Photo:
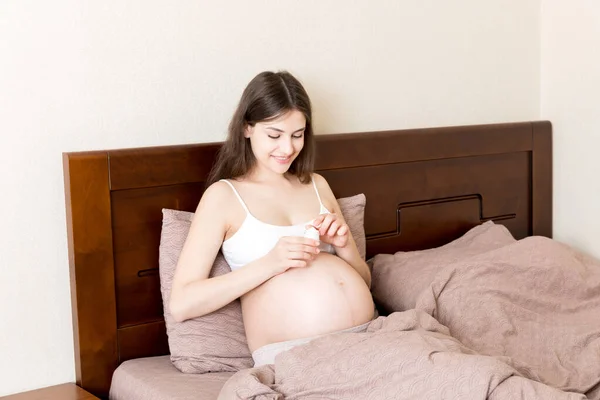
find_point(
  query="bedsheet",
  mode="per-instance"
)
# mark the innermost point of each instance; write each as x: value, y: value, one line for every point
x: 155, y: 378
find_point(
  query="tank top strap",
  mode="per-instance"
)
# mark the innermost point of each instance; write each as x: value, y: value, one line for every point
x: 236, y: 194
x: 318, y: 196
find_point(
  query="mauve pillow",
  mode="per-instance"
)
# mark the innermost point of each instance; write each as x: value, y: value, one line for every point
x: 217, y: 341
x: 353, y: 211
x: 398, y: 279
x: 214, y: 342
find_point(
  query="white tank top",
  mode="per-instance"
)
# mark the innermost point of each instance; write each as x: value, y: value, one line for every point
x: 255, y: 238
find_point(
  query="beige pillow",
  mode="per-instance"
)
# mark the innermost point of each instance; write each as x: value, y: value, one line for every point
x: 217, y: 341
x: 398, y: 279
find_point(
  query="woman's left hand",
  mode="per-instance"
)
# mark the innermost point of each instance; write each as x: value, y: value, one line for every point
x: 332, y: 229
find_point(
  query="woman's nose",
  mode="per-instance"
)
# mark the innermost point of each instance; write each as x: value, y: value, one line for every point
x: 286, y: 146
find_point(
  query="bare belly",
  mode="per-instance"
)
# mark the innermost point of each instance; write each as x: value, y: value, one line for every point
x: 327, y: 296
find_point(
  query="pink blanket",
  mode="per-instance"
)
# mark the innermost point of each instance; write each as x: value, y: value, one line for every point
x: 535, y: 302
x: 522, y: 322
x: 406, y: 355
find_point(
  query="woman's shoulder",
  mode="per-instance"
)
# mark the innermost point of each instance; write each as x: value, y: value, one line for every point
x: 218, y: 188
x: 219, y: 203
x: 325, y: 192
x: 320, y: 182
x: 217, y: 195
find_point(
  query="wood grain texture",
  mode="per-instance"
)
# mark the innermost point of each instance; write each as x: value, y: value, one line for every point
x: 89, y: 229
x: 161, y: 165
x: 136, y: 237
x: 384, y: 147
x: 541, y: 159
x: 155, y: 338
x: 66, y: 391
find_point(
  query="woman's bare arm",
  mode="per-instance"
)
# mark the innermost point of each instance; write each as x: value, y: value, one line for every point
x: 348, y: 253
x: 193, y: 294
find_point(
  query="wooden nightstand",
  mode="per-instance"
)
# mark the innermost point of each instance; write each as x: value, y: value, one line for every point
x: 67, y: 391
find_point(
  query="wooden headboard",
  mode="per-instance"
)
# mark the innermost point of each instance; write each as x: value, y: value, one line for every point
x: 424, y: 188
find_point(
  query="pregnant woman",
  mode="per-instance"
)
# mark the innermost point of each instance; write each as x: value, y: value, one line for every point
x: 262, y: 196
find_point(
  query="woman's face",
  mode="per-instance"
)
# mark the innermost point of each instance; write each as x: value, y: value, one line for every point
x: 276, y: 143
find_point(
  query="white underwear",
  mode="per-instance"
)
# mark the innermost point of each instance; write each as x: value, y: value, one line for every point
x: 266, y: 354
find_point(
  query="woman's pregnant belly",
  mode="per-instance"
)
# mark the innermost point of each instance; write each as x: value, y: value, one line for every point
x: 326, y: 296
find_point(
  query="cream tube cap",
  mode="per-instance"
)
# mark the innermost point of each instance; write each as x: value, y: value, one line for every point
x: 312, y: 233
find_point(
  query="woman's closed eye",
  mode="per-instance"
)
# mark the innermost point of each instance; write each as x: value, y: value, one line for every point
x: 297, y: 136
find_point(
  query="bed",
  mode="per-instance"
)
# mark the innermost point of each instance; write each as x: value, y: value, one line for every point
x: 424, y: 188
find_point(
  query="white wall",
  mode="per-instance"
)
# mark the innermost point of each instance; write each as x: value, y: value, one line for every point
x: 570, y: 86
x: 83, y: 75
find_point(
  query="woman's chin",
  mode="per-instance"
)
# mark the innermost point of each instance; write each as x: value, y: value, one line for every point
x: 280, y: 168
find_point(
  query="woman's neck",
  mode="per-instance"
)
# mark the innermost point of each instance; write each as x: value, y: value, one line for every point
x: 269, y: 177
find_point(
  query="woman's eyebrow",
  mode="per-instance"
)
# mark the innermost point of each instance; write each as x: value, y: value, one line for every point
x: 281, y: 131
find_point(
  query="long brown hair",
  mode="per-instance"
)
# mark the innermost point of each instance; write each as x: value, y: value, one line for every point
x: 267, y: 96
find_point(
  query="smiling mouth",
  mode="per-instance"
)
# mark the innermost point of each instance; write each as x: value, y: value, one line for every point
x: 282, y: 160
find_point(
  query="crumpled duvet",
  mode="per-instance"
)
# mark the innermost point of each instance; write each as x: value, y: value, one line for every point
x: 407, y: 355
x: 521, y: 322
x: 536, y: 302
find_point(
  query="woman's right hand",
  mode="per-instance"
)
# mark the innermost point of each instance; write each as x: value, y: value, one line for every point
x: 292, y: 252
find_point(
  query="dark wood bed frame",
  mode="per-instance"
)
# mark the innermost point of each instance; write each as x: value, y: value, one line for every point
x: 424, y: 188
